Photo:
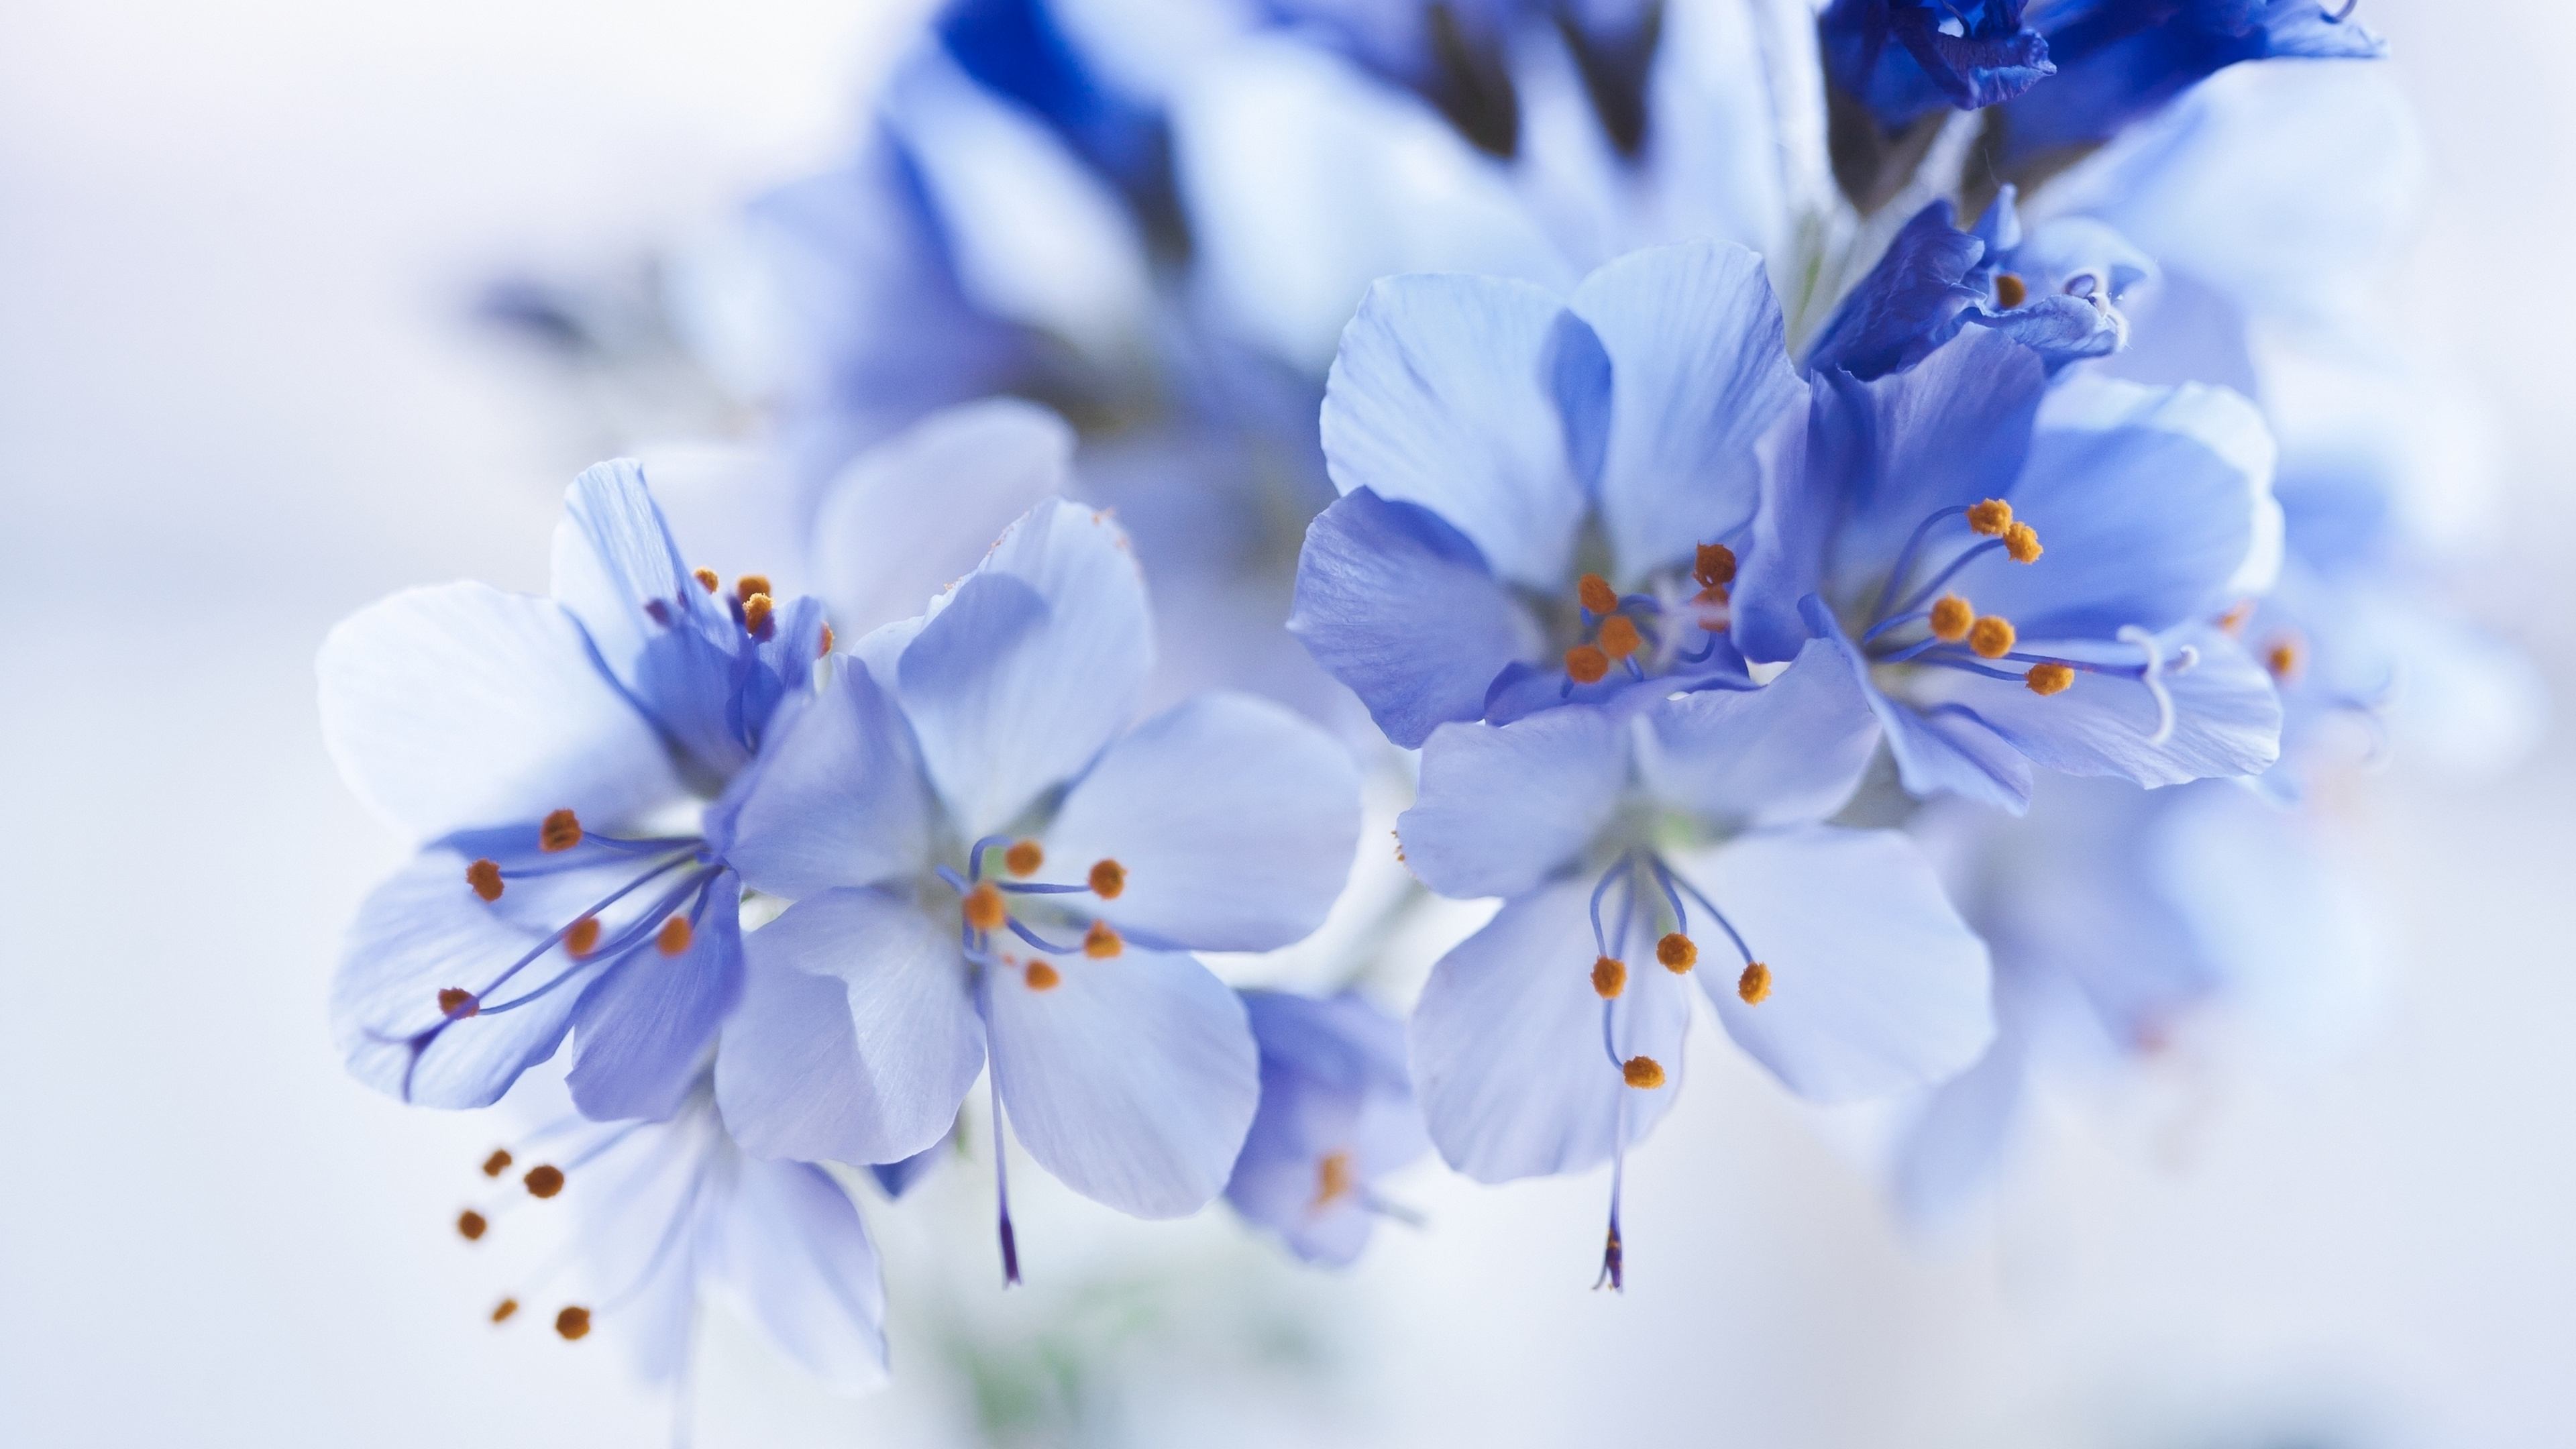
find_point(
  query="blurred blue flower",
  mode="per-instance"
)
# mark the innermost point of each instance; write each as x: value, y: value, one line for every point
x: 551, y: 753
x: 1904, y: 58
x: 1535, y: 490
x: 1337, y: 1114
x: 986, y: 862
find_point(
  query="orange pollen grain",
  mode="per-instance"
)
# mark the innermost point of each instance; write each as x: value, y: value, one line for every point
x: 1596, y: 594
x: 1101, y: 943
x: 1991, y: 517
x: 985, y: 909
x: 1951, y: 616
x: 1643, y: 1073
x: 1754, y: 986
x: 470, y: 1224
x: 2233, y: 621
x: 583, y: 938
x: 755, y: 613
x: 706, y: 579
x: 544, y: 1180
x: 2010, y: 291
x: 1043, y: 977
x: 1677, y: 952
x: 2284, y: 657
x: 826, y: 646
x: 485, y: 877
x: 2021, y: 541
x: 2047, y: 679
x: 560, y: 831
x: 502, y: 1310
x: 748, y: 585
x: 1585, y: 664
x: 1715, y: 566
x: 456, y: 1002
x: 1609, y: 977
x: 1992, y: 636
x: 674, y: 937
x: 1108, y: 878
x: 572, y: 1323
x: 1024, y: 857
x: 1619, y: 637
x: 1334, y: 1178
x: 497, y: 1163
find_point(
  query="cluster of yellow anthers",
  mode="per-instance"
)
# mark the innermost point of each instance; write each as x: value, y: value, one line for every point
x: 558, y: 832
x: 985, y: 909
x: 1954, y: 619
x: 757, y: 604
x: 1676, y: 953
x: 1616, y: 637
x: 541, y: 1181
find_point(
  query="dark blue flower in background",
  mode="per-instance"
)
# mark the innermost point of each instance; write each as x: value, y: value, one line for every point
x: 1337, y: 1114
x: 1905, y: 58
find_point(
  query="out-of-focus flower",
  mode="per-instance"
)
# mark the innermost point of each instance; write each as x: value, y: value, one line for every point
x: 552, y: 753
x: 1337, y: 1114
x: 1536, y: 490
x: 1902, y: 58
x: 986, y: 863
x: 1909, y: 496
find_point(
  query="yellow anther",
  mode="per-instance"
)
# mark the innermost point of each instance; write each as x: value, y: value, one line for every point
x: 572, y: 1323
x: 985, y: 910
x: 2233, y: 621
x: 750, y: 584
x: 674, y: 937
x: 1991, y: 517
x: 544, y: 1180
x: 2021, y: 541
x: 706, y: 579
x: 826, y: 646
x: 1043, y: 977
x: 470, y: 1225
x: 1991, y: 636
x: 1609, y: 976
x: 1108, y: 878
x: 2010, y: 291
x: 497, y: 1163
x: 1585, y: 664
x: 502, y: 1310
x: 2285, y: 657
x: 1644, y: 1073
x: 1714, y: 568
x: 1100, y: 943
x: 559, y: 831
x: 1677, y: 952
x: 1754, y: 986
x: 1334, y: 1178
x: 485, y: 877
x: 1619, y: 637
x: 1951, y: 616
x: 755, y: 613
x: 2045, y: 679
x: 1024, y: 857
x: 456, y: 1003
x: 1596, y: 594
x: 583, y: 938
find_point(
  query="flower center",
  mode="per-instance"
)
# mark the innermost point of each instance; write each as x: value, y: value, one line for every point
x: 1667, y: 629
x: 987, y: 907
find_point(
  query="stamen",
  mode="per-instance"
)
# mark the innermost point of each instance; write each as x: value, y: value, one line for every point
x: 748, y: 585
x: 502, y: 1310
x: 572, y: 1323
x: 1108, y: 878
x: 2151, y: 674
x: 984, y: 908
x: 2022, y: 542
x: 1714, y: 568
x: 1043, y: 977
x: 560, y: 831
x: 2010, y: 291
x: 1677, y: 952
x: 1101, y: 943
x: 1754, y: 986
x: 755, y: 613
x: 706, y: 579
x: 2285, y: 658
x: 674, y: 937
x: 583, y: 938
x: 1609, y: 976
x: 826, y: 647
x: 470, y: 1224
x: 544, y: 1180
x: 1643, y: 1073
x: 2047, y: 679
x: 1951, y: 616
x: 1024, y: 857
x: 2233, y: 621
x: 1586, y: 665
x: 485, y: 877
x: 456, y: 1003
x: 1991, y: 517
x: 497, y: 1163
x: 1596, y: 594
x: 1333, y: 1178
x: 1619, y: 637
x: 1991, y: 636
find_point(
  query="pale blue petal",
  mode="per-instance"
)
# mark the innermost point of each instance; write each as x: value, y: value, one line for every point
x: 1508, y: 1058
x: 641, y: 1030
x: 792, y: 1257
x: 1945, y: 750
x: 1793, y: 749
x: 837, y: 798
x: 1133, y: 1079
x: 856, y: 1037
x: 1445, y: 394
x: 1954, y: 1149
x: 1235, y: 820
x: 1877, y: 986
x: 462, y: 706
x: 1502, y: 807
x: 1333, y: 1081
x: 1793, y: 525
x: 2226, y: 714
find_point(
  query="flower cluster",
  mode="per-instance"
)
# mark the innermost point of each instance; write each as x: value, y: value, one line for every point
x: 1754, y: 581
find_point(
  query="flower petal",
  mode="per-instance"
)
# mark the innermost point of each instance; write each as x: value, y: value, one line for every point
x: 791, y: 1255
x: 1946, y: 750
x: 837, y: 798
x: 1132, y: 1080
x: 2226, y: 715
x: 1794, y: 749
x: 1501, y: 807
x: 642, y: 1029
x: 1333, y: 1083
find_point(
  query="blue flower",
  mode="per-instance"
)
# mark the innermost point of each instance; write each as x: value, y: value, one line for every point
x: 1905, y: 524
x: 1637, y: 846
x: 1336, y: 1115
x: 666, y: 1215
x: 1536, y: 492
x: 550, y: 752
x: 986, y: 863
x: 1905, y: 58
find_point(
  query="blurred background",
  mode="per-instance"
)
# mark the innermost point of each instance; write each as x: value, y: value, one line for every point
x: 240, y: 396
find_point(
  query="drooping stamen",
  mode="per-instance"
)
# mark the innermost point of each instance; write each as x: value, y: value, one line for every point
x: 456, y: 1003
x: 1108, y: 878
x: 1609, y: 977
x: 582, y: 937
x: 1643, y: 1073
x: 1024, y: 857
x: 485, y: 877
x: 544, y: 1180
x: 573, y: 1323
x: 1905, y: 557
x: 1991, y: 517
x: 1020, y: 929
x: 1043, y: 977
x: 1754, y: 986
x: 1585, y: 664
x: 1991, y: 636
x: 560, y: 831
x: 2010, y: 291
x: 1334, y: 1178
x: 1101, y: 943
x: 1950, y: 618
x: 674, y: 937
x: 1002, y: 1191
x: 1595, y: 593
x: 1678, y: 953
x: 2048, y: 679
